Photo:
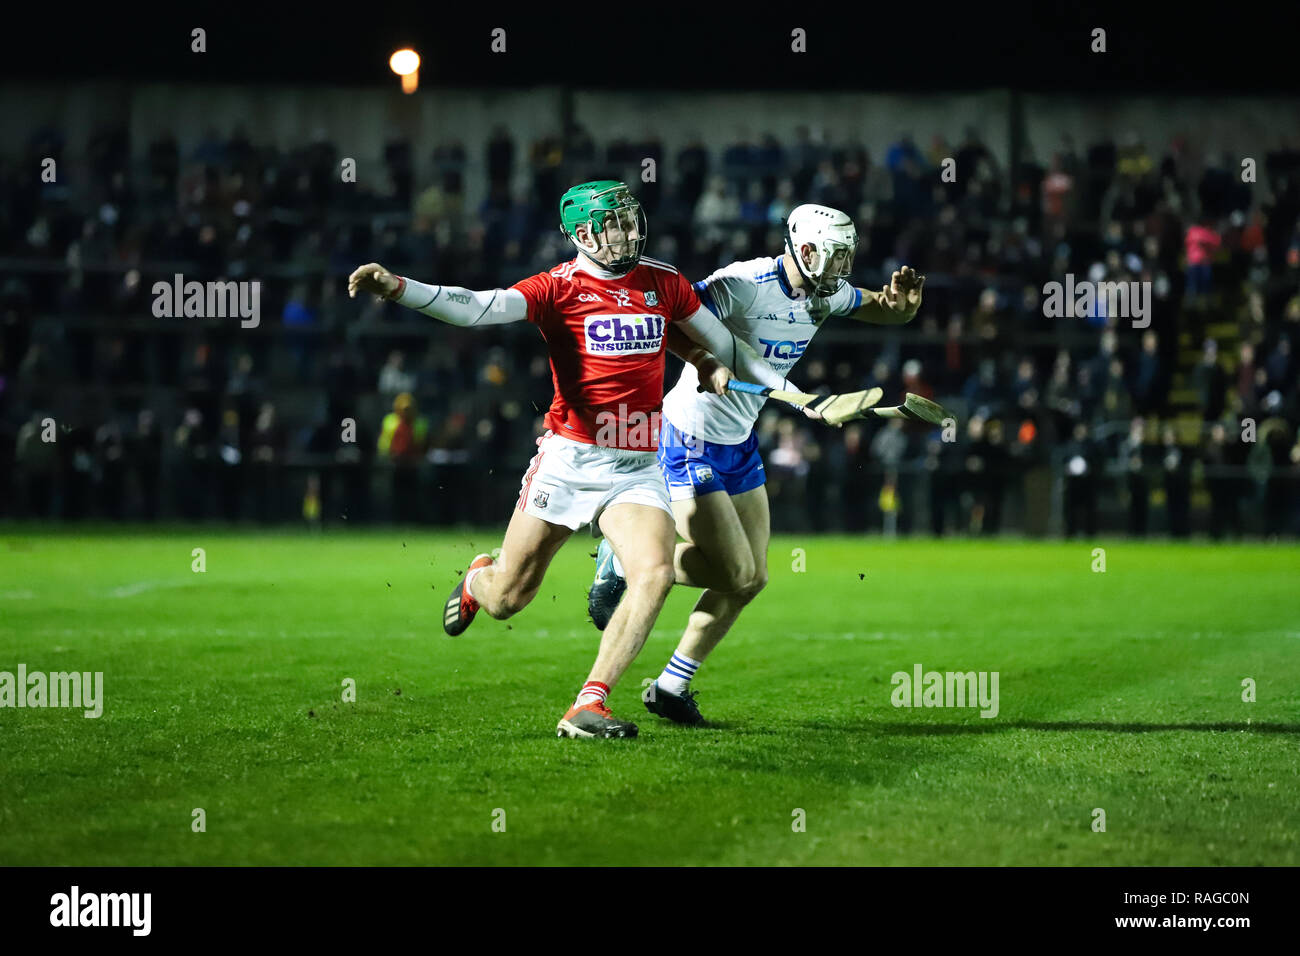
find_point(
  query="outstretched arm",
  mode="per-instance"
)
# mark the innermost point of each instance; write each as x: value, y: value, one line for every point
x: 450, y: 304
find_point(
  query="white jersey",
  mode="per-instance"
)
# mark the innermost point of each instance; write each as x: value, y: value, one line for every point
x: 756, y: 304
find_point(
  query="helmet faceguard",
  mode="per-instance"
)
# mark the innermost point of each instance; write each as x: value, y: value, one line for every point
x: 614, y: 220
x: 831, y: 233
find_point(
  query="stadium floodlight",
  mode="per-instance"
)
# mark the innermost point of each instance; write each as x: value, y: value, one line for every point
x: 406, y: 64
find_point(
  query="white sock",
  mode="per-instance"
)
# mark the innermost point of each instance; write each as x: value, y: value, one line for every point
x: 676, y: 678
x: 469, y: 579
x: 618, y: 567
x: 591, y: 691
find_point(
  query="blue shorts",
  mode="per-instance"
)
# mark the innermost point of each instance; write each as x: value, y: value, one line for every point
x: 693, y: 467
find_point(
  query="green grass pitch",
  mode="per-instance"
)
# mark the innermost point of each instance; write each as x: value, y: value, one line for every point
x: 223, y: 690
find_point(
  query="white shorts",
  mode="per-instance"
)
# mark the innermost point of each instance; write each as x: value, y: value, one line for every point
x: 571, y: 483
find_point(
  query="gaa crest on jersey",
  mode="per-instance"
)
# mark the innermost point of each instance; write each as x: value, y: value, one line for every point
x: 541, y: 499
x: 624, y: 333
x: 703, y: 474
x: 651, y: 299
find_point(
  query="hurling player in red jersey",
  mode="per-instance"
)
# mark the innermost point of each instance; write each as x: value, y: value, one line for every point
x: 607, y: 317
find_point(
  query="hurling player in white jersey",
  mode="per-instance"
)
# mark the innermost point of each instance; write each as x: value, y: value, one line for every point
x: 708, y: 450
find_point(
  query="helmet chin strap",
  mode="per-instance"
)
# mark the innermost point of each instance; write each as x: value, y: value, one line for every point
x: 826, y: 293
x: 609, y: 267
x: 590, y: 253
x: 794, y: 254
x: 603, y: 266
x: 809, y: 281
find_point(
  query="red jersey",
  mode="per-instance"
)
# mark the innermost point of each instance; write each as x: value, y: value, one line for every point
x: 606, y: 339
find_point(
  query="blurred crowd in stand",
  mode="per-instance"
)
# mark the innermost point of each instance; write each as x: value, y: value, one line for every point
x: 332, y: 409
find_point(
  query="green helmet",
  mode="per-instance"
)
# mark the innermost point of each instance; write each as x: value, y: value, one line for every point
x: 600, y: 204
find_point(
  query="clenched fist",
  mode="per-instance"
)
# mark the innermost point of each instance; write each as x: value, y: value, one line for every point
x: 713, y: 376
x: 373, y: 278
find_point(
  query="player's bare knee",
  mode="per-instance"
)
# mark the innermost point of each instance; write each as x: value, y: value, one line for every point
x: 656, y: 579
x: 740, y: 571
x: 756, y: 584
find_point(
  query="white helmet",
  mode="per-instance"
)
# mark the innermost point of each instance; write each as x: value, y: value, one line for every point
x: 832, y: 234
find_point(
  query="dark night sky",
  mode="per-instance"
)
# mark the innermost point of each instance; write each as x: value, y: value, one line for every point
x: 852, y: 45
